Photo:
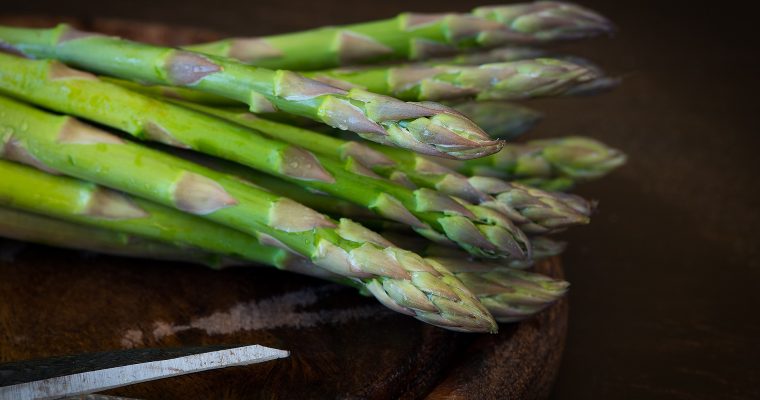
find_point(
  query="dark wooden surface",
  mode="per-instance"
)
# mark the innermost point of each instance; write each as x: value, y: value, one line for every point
x: 58, y: 302
x: 665, y: 280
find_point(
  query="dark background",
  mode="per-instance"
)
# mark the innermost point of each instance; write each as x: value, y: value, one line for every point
x: 665, y: 281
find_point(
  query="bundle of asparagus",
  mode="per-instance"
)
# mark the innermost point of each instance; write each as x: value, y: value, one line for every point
x: 458, y: 217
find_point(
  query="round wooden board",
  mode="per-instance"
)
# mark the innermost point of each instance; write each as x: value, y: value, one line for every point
x: 57, y: 302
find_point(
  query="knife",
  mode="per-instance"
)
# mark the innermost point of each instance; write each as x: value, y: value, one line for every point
x: 73, y: 375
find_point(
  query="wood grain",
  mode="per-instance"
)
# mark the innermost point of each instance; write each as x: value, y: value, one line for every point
x: 58, y: 302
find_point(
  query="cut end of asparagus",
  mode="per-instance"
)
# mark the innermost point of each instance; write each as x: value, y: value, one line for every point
x: 545, y: 21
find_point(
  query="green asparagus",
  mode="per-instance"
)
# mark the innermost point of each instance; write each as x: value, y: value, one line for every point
x: 535, y: 211
x: 573, y: 158
x: 509, y: 294
x: 499, y: 119
x: 36, y: 228
x: 599, y: 83
x: 514, y: 80
x: 543, y: 248
x: 414, y: 36
x: 400, y: 279
x: 53, y: 85
x: 234, y: 189
x: 85, y: 203
x: 429, y: 128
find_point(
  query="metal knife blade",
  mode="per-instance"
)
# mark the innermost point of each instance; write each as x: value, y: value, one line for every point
x: 87, y: 373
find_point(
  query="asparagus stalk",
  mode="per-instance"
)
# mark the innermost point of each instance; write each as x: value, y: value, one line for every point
x: 535, y: 211
x: 30, y: 227
x: 573, y: 158
x: 428, y: 128
x: 414, y: 36
x: 174, y: 92
x: 599, y: 83
x: 500, y: 119
x: 53, y: 85
x: 124, y: 216
x: 88, y: 204
x: 514, y: 80
x: 400, y: 279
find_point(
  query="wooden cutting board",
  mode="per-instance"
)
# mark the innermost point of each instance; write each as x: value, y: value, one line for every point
x: 56, y: 302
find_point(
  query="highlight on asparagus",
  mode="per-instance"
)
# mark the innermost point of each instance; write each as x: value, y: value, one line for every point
x: 250, y: 163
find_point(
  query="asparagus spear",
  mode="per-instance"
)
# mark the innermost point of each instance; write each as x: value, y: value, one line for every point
x: 500, y: 119
x: 599, y: 83
x: 53, y: 85
x: 535, y: 211
x: 414, y: 36
x: 400, y: 279
x: 25, y: 226
x: 337, y: 207
x: 428, y: 128
x: 496, y: 282
x: 514, y: 80
x: 574, y: 158
x: 544, y: 247
x: 28, y: 227
x: 509, y: 294
x: 124, y: 216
